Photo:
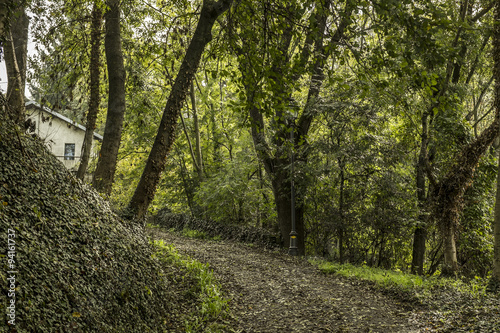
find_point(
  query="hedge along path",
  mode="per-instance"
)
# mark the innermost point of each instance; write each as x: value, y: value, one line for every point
x: 273, y: 292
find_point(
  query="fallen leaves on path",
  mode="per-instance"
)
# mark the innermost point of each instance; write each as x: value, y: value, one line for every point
x: 270, y: 291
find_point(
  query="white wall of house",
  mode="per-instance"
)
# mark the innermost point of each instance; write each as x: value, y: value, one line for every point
x: 62, y: 136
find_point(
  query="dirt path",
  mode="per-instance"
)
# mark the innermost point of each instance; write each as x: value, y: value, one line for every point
x: 273, y: 292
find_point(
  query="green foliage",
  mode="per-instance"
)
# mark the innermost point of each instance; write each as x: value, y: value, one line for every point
x: 193, y: 233
x: 475, y: 252
x: 356, y: 178
x: 59, y: 71
x: 237, y: 193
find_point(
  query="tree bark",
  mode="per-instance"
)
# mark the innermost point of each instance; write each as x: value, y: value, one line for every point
x: 281, y: 184
x: 420, y: 235
x: 19, y: 30
x: 495, y: 278
x: 145, y: 191
x: 199, y: 158
x: 106, y: 164
x: 15, y: 49
x: 95, y: 65
x: 340, y: 230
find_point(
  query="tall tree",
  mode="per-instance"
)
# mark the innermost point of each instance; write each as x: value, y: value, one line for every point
x: 495, y: 278
x: 15, y: 46
x: 198, y: 161
x: 95, y: 64
x: 281, y: 73
x: 145, y: 191
x: 106, y: 164
x: 448, y: 193
x: 441, y: 84
x: 420, y: 235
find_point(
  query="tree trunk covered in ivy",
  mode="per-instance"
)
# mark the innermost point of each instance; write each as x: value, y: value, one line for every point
x: 145, y: 191
x: 106, y: 165
x: 495, y: 278
x: 448, y: 194
x: 95, y: 64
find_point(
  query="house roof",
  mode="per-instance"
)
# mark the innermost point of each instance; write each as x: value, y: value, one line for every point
x: 60, y: 116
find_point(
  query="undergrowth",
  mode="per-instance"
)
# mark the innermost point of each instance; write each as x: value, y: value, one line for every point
x: 421, y: 286
x: 209, y: 229
x: 212, y: 305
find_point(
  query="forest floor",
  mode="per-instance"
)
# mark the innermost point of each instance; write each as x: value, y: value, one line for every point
x: 270, y: 291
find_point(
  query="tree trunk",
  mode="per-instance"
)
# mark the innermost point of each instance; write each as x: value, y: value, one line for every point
x: 276, y: 161
x: 340, y: 230
x: 19, y: 30
x: 449, y: 193
x: 15, y: 53
x: 282, y: 193
x: 199, y: 158
x: 95, y: 65
x: 420, y: 235
x: 106, y: 164
x: 495, y: 278
x: 145, y: 191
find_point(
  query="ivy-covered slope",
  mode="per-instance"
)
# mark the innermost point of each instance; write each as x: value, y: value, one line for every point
x: 77, y: 266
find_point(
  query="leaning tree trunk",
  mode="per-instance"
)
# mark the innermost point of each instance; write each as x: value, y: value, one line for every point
x: 448, y: 194
x: 106, y: 164
x: 495, y: 278
x: 145, y: 191
x: 95, y: 64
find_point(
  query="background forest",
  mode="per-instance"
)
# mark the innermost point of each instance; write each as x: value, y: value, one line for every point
x: 386, y: 107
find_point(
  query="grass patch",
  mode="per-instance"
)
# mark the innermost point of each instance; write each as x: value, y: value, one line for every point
x: 212, y: 305
x: 191, y: 233
x: 419, y: 286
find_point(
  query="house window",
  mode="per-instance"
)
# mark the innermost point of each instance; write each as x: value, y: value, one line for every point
x: 69, y: 151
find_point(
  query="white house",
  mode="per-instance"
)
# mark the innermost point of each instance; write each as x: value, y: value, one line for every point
x: 63, y: 136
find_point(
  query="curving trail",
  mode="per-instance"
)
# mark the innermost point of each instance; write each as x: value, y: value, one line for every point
x: 273, y: 292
